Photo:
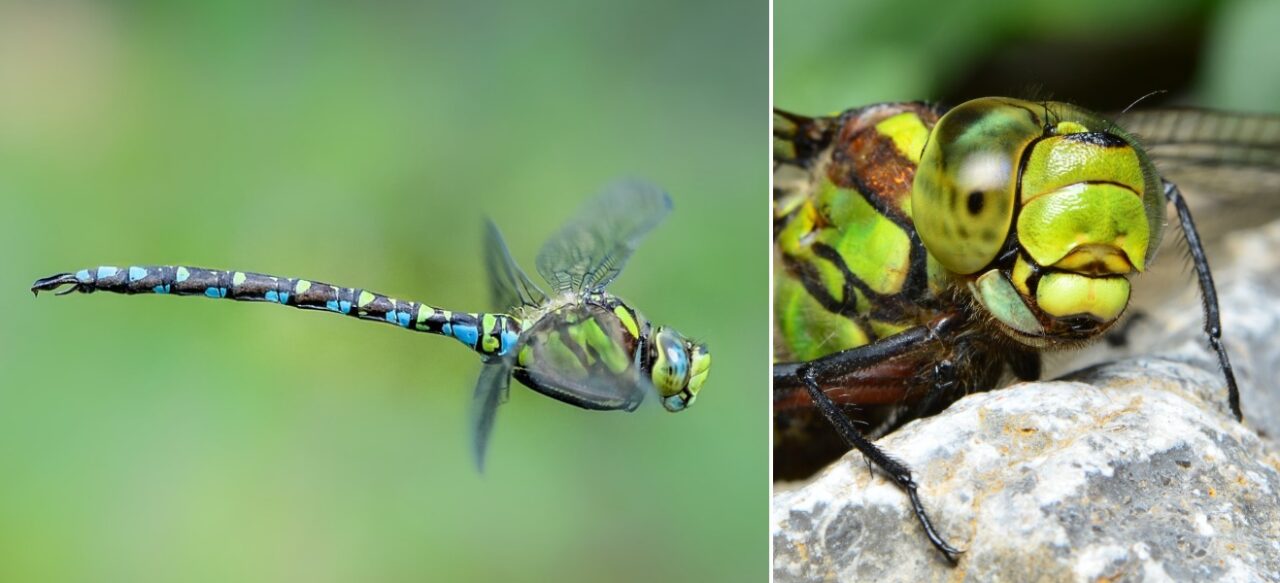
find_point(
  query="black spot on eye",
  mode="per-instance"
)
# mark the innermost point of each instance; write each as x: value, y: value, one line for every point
x: 975, y: 202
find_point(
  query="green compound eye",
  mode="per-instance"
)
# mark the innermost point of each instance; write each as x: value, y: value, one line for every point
x: 965, y: 187
x: 679, y: 369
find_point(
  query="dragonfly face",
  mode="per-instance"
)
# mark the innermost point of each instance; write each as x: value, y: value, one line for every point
x: 677, y: 367
x: 1043, y: 210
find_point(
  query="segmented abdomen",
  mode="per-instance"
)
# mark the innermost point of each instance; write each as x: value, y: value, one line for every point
x: 489, y: 334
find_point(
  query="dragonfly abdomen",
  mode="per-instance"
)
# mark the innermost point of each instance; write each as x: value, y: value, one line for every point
x: 488, y: 334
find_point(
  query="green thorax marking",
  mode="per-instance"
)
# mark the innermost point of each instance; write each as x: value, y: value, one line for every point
x: 596, y: 337
x: 570, y: 346
x: 851, y: 268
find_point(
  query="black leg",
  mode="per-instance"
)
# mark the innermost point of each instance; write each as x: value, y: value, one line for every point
x: 1208, y: 295
x: 897, y: 471
x: 944, y: 383
x: 1026, y: 365
x: 1118, y: 336
x: 834, y: 366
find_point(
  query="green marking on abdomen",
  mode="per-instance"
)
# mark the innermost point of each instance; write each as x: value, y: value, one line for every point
x: 488, y: 328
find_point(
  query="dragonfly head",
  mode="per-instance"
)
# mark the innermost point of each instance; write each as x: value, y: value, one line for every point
x: 679, y: 368
x: 1044, y: 209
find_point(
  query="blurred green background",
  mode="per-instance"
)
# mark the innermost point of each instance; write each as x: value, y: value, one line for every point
x: 830, y: 55
x: 176, y: 439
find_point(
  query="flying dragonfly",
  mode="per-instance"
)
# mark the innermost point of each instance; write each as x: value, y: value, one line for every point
x: 924, y: 252
x: 578, y: 344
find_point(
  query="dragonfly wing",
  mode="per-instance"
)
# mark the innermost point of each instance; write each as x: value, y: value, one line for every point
x: 589, y: 252
x: 1228, y: 164
x: 598, y: 390
x: 491, y: 391
x: 508, y: 285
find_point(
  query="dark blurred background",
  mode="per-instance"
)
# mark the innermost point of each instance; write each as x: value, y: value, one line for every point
x: 178, y: 439
x: 830, y: 55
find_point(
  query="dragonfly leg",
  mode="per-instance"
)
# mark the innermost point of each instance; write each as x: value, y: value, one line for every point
x: 946, y: 381
x: 1026, y: 365
x: 847, y: 361
x: 1118, y: 337
x: 898, y: 472
x: 1208, y: 295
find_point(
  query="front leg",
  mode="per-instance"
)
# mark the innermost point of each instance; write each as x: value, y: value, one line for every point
x: 1208, y: 294
x: 849, y: 363
x: 897, y: 471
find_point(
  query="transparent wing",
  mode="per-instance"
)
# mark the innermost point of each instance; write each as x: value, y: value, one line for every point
x: 491, y: 390
x: 1227, y: 164
x: 589, y: 252
x: 508, y: 285
x: 600, y: 391
x: 1228, y: 167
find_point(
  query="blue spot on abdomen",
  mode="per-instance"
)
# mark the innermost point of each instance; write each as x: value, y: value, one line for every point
x: 136, y: 273
x: 106, y: 271
x: 216, y: 292
x: 466, y: 333
x: 507, y: 340
x: 272, y: 296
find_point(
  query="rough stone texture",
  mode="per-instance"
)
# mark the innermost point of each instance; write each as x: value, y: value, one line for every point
x: 1249, y: 292
x: 1128, y: 470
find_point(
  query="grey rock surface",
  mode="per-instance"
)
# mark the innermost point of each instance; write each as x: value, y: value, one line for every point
x: 1129, y: 470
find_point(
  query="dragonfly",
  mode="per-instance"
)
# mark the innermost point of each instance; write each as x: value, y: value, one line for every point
x: 924, y: 252
x: 575, y: 343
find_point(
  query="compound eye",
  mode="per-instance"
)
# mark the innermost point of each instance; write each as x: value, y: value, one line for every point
x: 966, y: 185
x: 670, y: 363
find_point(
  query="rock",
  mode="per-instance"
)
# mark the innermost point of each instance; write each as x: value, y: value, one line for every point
x: 1248, y: 287
x: 1128, y: 470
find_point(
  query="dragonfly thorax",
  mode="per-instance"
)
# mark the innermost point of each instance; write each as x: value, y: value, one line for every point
x: 599, y: 353
x: 1043, y: 209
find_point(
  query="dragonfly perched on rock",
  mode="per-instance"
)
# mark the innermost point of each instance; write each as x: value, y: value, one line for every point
x: 578, y: 344
x: 925, y: 252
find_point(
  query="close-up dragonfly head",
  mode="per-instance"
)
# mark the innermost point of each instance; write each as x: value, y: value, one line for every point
x: 679, y: 368
x: 1043, y: 209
